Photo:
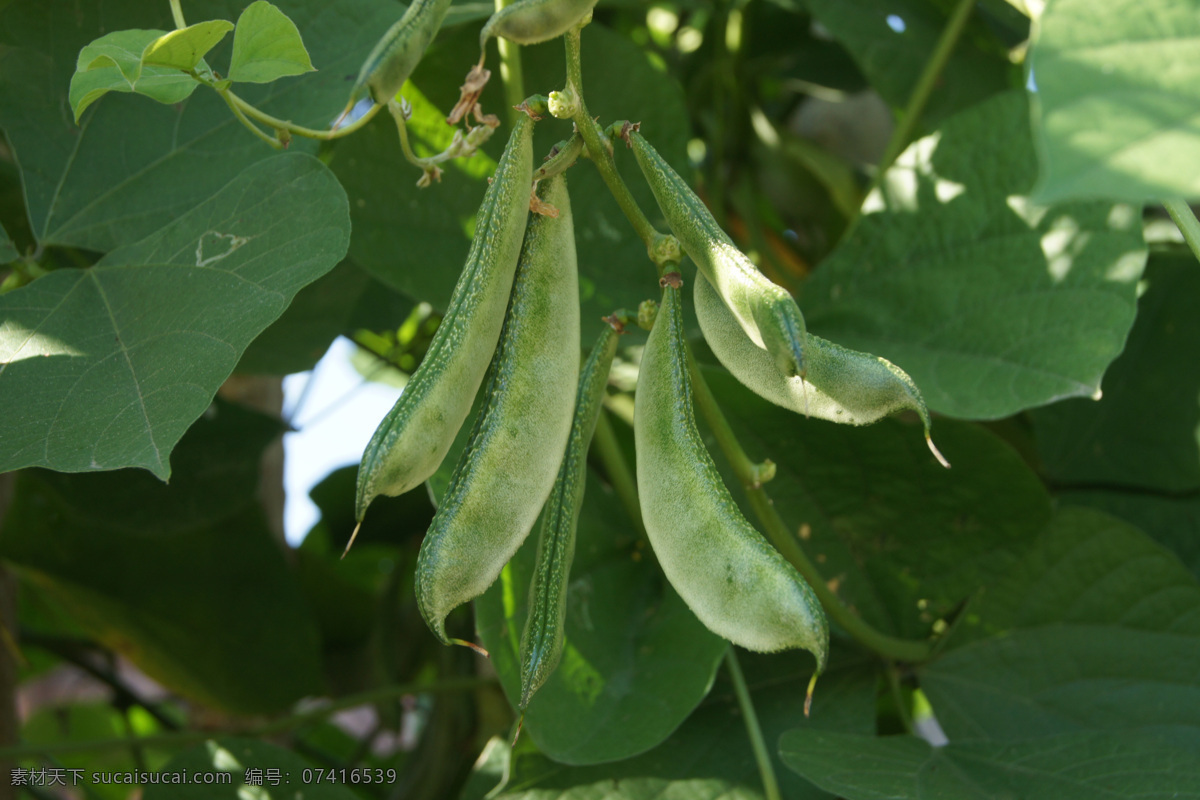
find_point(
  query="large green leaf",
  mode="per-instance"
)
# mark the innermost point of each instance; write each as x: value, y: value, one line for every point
x: 709, y: 757
x: 1074, y: 766
x: 1099, y: 628
x: 891, y: 40
x: 416, y: 240
x: 256, y: 770
x: 1171, y: 520
x: 165, y: 574
x: 1115, y: 107
x: 106, y: 367
x: 902, y: 539
x: 266, y: 46
x: 318, y: 314
x: 991, y: 305
x: 134, y: 165
x: 636, y: 660
x: 1143, y: 432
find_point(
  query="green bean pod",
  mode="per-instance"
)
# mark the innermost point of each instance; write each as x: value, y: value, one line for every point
x: 765, y: 311
x: 397, y: 54
x: 736, y: 583
x: 534, y: 21
x: 842, y: 385
x: 512, y: 457
x: 542, y: 639
x: 411, y: 441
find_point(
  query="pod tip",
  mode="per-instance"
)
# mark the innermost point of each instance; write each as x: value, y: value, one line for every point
x: 520, y: 724
x: 471, y: 645
x: 353, y: 536
x: 936, y: 453
x: 812, y: 684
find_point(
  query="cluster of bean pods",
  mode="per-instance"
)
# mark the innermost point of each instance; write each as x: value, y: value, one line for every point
x: 512, y: 327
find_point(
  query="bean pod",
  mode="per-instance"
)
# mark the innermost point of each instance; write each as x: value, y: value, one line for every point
x: 513, y: 454
x: 841, y: 385
x: 397, y: 54
x: 542, y: 639
x: 411, y: 441
x: 739, y: 586
x: 766, y: 312
x: 534, y: 21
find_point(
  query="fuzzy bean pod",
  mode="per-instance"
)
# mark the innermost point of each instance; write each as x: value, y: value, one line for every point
x: 842, y: 385
x: 542, y: 639
x: 512, y: 457
x: 399, y: 51
x: 735, y: 582
x: 766, y: 312
x: 534, y: 21
x: 411, y: 441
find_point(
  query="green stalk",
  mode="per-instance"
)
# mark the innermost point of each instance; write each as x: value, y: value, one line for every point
x: 781, y: 536
x: 757, y: 741
x: 924, y: 88
x: 177, y: 14
x: 604, y: 440
x: 511, y: 73
x: 599, y: 150
x: 920, y: 97
x: 299, y: 130
x: 1185, y: 218
x: 184, y: 738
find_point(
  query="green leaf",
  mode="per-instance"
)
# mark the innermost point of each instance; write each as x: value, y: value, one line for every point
x: 1172, y: 521
x: 1098, y: 630
x: 1062, y: 767
x: 902, y: 539
x: 892, y: 60
x: 416, y: 240
x: 1115, y: 111
x: 266, y: 46
x: 636, y: 660
x: 185, y: 48
x: 1143, y: 432
x: 164, y: 574
x: 134, y: 166
x: 106, y: 367
x: 236, y: 756
x: 318, y: 314
x: 113, y: 63
x: 992, y: 305
x: 709, y: 757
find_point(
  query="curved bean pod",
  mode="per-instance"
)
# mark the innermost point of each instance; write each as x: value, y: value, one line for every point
x: 739, y: 586
x: 534, y: 21
x: 842, y: 385
x: 411, y: 441
x: 766, y: 311
x: 399, y: 51
x: 542, y: 639
x: 512, y: 457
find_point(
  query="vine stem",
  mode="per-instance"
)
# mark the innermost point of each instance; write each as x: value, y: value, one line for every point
x: 247, y: 110
x: 920, y: 96
x: 924, y: 88
x: 781, y: 536
x: 619, y: 474
x: 182, y: 738
x: 762, y: 755
x: 600, y: 151
x: 177, y: 14
x: 1185, y: 218
x: 511, y: 73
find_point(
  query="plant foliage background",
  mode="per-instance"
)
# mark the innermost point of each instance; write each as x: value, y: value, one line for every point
x: 1013, y: 259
